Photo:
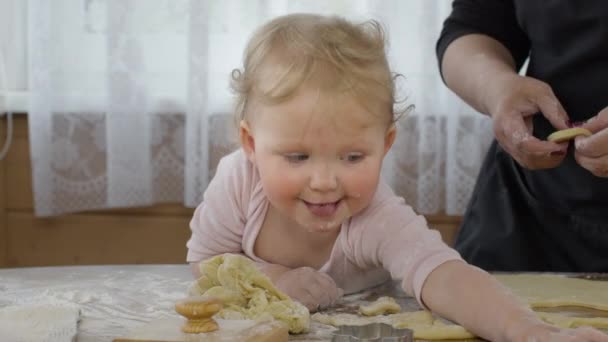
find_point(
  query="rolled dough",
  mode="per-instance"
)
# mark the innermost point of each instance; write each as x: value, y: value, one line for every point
x: 545, y: 290
x: 563, y: 321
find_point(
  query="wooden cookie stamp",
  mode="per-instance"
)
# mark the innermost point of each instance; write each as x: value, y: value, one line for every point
x: 198, y: 312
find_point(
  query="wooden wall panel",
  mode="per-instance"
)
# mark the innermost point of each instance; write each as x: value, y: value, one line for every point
x: 446, y: 225
x: 3, y: 179
x: 119, y: 236
x: 96, y: 239
x: 18, y: 169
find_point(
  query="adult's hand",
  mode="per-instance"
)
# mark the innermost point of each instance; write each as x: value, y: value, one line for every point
x: 592, y: 152
x: 512, y: 101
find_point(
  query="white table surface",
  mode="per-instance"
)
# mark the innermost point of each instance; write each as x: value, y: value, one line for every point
x: 113, y: 299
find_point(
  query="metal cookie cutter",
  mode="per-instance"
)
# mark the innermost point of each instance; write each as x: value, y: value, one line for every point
x: 374, y: 332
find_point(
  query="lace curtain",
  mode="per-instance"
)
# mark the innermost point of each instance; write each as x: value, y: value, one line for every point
x: 129, y: 103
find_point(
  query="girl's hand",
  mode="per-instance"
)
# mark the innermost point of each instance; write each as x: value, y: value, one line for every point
x: 592, y: 152
x: 537, y: 331
x: 313, y: 289
x: 512, y: 100
x: 553, y: 334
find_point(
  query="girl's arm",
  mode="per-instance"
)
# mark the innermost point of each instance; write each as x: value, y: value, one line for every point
x: 218, y: 223
x: 476, y: 300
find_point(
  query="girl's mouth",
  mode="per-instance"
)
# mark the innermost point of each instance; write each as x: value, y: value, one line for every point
x: 323, y: 209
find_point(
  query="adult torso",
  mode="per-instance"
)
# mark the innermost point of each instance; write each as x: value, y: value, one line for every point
x: 569, y: 51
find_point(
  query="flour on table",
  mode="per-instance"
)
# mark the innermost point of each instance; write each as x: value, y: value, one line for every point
x: 51, y: 322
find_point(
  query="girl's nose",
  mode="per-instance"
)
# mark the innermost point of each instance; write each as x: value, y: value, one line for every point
x: 323, y: 178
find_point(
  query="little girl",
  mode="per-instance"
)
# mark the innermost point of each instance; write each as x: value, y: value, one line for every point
x: 303, y: 196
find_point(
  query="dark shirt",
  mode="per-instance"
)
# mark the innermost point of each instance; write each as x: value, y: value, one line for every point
x: 567, y: 44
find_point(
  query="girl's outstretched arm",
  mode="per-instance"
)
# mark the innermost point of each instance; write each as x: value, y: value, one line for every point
x: 473, y: 298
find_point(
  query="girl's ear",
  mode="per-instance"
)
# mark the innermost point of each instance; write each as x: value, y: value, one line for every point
x: 389, y: 139
x: 247, y: 141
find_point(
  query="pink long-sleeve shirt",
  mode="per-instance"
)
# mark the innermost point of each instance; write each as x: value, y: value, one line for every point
x: 387, y: 239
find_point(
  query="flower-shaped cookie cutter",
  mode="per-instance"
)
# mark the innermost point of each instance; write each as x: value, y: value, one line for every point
x: 374, y: 332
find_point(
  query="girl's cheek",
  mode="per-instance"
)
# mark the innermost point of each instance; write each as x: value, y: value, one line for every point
x: 279, y: 186
x: 364, y: 181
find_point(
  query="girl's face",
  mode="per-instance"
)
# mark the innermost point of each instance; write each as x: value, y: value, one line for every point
x: 318, y: 156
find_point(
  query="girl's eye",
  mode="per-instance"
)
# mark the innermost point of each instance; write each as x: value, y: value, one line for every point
x: 353, y: 157
x: 296, y: 157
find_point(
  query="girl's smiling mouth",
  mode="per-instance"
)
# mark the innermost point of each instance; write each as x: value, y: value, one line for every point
x: 326, y: 209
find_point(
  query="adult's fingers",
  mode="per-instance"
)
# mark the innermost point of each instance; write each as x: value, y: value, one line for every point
x: 598, y: 122
x: 552, y: 109
x: 594, y: 146
x: 513, y: 134
x: 592, y: 152
x: 597, y: 166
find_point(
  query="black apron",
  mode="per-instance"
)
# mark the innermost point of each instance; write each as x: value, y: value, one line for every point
x: 556, y: 219
x: 506, y: 228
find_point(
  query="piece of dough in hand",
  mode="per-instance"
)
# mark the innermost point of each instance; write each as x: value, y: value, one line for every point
x: 568, y: 134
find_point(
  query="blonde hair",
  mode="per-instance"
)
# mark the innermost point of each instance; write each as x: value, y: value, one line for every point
x: 329, y: 52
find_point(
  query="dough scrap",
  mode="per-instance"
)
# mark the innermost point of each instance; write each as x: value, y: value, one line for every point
x: 568, y: 134
x: 247, y: 293
x: 545, y: 290
x: 380, y: 306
